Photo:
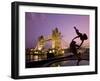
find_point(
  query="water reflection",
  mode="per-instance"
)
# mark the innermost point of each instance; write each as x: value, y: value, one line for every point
x: 69, y: 63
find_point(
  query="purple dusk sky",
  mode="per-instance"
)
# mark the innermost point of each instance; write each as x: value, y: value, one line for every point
x: 37, y: 24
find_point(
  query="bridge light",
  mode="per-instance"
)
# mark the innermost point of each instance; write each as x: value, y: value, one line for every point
x: 50, y: 51
x: 63, y: 51
x: 36, y: 52
x: 39, y: 48
x: 53, y: 50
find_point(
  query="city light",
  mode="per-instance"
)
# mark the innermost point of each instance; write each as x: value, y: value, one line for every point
x: 31, y: 49
x: 50, y: 51
x: 36, y: 52
x: 35, y: 58
x: 63, y: 51
x: 39, y: 48
x: 53, y: 50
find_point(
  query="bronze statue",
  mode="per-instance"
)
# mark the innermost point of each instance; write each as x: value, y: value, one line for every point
x: 74, y: 47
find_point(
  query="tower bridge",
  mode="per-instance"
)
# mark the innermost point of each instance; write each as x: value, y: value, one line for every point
x: 41, y: 52
x: 55, y: 38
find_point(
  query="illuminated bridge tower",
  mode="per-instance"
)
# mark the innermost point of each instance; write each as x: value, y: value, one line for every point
x: 41, y: 43
x: 56, y: 39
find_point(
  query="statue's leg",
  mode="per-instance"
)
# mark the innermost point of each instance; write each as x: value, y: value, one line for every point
x: 79, y: 58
